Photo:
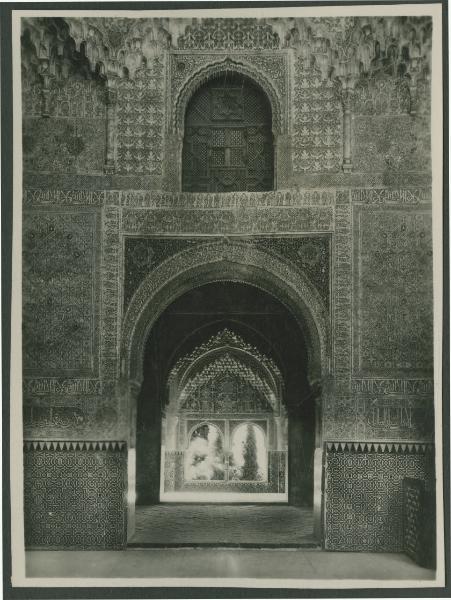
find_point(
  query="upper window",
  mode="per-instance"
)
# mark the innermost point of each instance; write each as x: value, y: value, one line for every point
x: 228, y: 140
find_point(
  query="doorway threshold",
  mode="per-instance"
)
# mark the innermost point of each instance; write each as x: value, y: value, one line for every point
x: 302, y: 544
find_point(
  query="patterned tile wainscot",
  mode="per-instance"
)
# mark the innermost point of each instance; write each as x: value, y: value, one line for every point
x: 75, y: 495
x: 363, y: 493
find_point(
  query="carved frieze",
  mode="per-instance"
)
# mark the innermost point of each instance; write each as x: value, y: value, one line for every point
x: 229, y: 34
x: 111, y: 308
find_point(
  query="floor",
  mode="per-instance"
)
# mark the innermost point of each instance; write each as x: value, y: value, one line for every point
x: 233, y: 563
x: 218, y: 525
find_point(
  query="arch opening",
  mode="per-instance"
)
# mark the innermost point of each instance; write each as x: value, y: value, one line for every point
x: 226, y: 355
x: 228, y: 142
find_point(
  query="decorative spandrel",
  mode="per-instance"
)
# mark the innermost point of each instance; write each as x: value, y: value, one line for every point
x: 228, y: 139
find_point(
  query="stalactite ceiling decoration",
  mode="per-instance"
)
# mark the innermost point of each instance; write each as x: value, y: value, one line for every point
x: 349, y: 47
x: 226, y: 353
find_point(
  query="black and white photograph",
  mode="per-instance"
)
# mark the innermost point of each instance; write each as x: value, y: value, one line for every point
x: 227, y: 292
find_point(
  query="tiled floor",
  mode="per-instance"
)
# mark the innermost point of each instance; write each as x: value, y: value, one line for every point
x: 232, y: 525
x: 213, y: 562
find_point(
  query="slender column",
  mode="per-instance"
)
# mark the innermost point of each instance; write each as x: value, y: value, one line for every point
x: 279, y: 433
x: 45, y: 94
x: 134, y: 390
x: 111, y: 126
x: 415, y: 69
x: 413, y: 89
x: 347, y: 128
x: 227, y: 449
x: 172, y: 432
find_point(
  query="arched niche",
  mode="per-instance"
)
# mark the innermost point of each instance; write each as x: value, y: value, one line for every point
x: 179, y: 103
x: 242, y: 358
x: 222, y: 382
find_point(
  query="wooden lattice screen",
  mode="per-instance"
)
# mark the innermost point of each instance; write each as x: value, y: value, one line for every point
x: 228, y: 139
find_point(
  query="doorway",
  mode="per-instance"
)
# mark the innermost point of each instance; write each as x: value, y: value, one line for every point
x: 225, y: 417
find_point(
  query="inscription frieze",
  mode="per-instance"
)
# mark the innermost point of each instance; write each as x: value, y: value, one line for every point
x: 396, y: 417
x: 308, y: 219
x: 70, y: 417
x: 376, y: 196
x: 393, y: 386
x: 232, y: 200
x: 178, y: 200
x: 55, y: 385
x: 42, y: 197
